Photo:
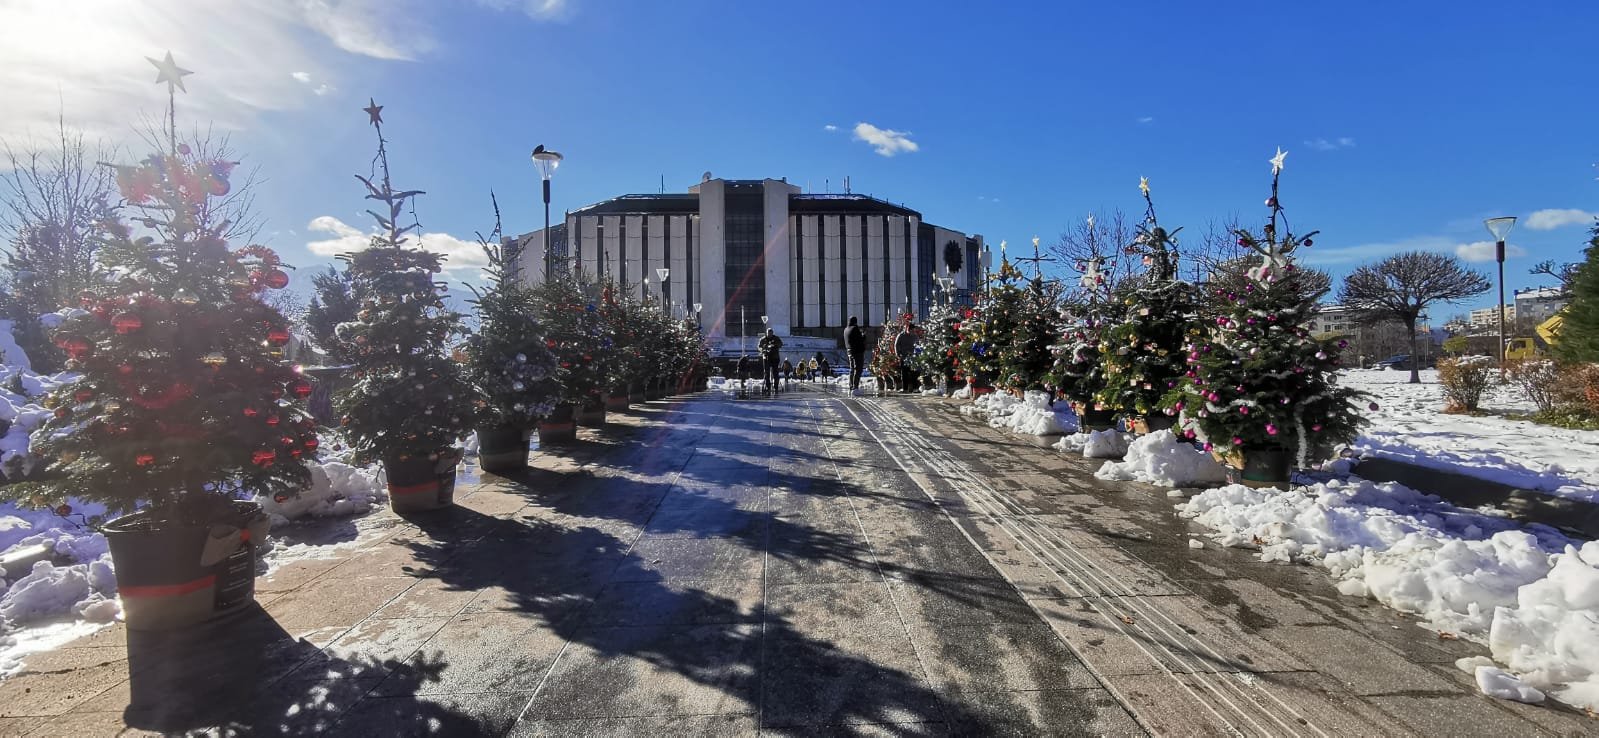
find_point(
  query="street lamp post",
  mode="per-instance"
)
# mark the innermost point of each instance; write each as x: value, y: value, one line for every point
x: 663, y: 273
x: 546, y: 160
x: 1500, y: 228
x: 698, y: 306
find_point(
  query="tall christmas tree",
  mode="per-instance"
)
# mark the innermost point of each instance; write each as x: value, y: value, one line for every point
x: 1144, y: 357
x: 935, y: 354
x: 506, y: 357
x: 569, y: 311
x: 409, y: 401
x: 988, y: 328
x: 1027, y: 357
x: 183, y: 401
x: 1579, y: 327
x: 1259, y: 381
x: 1078, y: 373
x: 886, y: 363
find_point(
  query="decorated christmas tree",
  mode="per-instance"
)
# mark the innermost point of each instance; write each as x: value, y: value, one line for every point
x: 408, y: 402
x: 691, y: 357
x: 569, y: 311
x: 1145, y: 357
x: 507, y: 358
x: 629, y: 323
x: 989, y: 327
x: 1026, y: 358
x: 1078, y: 373
x: 1259, y: 384
x: 935, y: 354
x: 886, y: 364
x: 183, y: 402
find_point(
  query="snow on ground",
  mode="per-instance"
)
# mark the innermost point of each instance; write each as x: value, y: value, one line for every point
x: 1529, y: 593
x: 1409, y: 426
x: 1030, y: 415
x: 1105, y: 444
x: 1162, y: 458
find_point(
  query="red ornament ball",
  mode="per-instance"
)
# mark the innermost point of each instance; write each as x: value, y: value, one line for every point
x: 250, y: 412
x: 300, y: 388
x: 276, y: 279
x: 144, y: 459
x: 62, y: 413
x: 126, y: 323
x: 311, y: 443
x: 263, y: 457
x: 272, y: 420
x: 277, y: 336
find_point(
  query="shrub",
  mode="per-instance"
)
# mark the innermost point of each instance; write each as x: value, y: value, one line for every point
x: 1541, y: 381
x: 1464, y: 381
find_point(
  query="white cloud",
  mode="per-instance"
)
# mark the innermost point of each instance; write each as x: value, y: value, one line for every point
x: 381, y: 29
x: 1486, y: 251
x: 302, y: 77
x: 830, y: 128
x: 543, y: 10
x: 1324, y: 144
x: 345, y: 238
x: 1552, y: 218
x: 884, y: 141
x: 1146, y: 120
x: 321, y: 88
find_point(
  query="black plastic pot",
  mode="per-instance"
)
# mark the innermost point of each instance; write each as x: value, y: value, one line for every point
x: 1263, y: 467
x: 173, y: 575
x: 1089, y: 419
x: 591, y: 414
x: 502, y: 449
x: 617, y: 401
x: 559, y: 427
x: 419, y: 483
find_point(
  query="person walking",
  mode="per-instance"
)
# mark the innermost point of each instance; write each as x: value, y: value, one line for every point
x: 743, y: 374
x: 770, y: 348
x: 855, y: 343
x: 788, y: 372
x: 904, y: 348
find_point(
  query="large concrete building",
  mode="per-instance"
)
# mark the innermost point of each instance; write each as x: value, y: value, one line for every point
x: 742, y: 249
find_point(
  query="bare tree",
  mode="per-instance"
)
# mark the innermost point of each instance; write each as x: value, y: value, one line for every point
x: 1402, y: 287
x: 1216, y: 247
x: 54, y: 204
x: 1104, y: 236
x: 236, y: 207
x: 1562, y: 273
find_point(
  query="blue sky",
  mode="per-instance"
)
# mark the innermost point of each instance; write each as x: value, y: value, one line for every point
x: 1406, y: 123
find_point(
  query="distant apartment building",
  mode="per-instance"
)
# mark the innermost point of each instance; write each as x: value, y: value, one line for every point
x: 1538, y: 303
x: 1333, y: 320
x: 1489, y: 318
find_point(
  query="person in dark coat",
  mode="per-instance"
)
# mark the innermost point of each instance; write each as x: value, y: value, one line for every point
x: 788, y: 372
x: 855, y: 343
x: 770, y: 347
x: 743, y: 373
x: 904, y: 348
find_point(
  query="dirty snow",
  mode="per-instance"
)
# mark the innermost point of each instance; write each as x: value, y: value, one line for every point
x: 1162, y: 458
x: 1030, y: 415
x: 1410, y: 426
x: 1529, y: 593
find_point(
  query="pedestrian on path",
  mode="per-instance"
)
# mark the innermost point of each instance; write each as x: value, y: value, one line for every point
x: 770, y: 347
x: 788, y: 372
x: 743, y: 374
x: 904, y: 348
x: 855, y: 343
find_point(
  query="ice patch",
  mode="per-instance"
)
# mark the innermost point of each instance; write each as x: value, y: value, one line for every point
x: 1496, y: 682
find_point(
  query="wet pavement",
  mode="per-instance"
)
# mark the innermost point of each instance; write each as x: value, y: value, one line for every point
x: 802, y: 565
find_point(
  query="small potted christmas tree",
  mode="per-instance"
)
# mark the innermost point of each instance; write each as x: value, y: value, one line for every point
x: 1079, y: 371
x: 886, y: 362
x: 183, y: 407
x: 935, y: 355
x: 989, y: 327
x: 409, y: 403
x: 1262, y: 393
x: 1145, y: 357
x: 568, y: 311
x: 507, y: 359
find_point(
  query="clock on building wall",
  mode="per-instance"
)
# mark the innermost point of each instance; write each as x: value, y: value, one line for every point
x: 952, y: 256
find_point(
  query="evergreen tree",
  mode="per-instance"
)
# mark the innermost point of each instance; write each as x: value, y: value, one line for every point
x: 1258, y: 379
x: 507, y: 358
x: 1078, y: 373
x: 989, y: 327
x: 1144, y: 357
x: 574, y: 331
x: 935, y: 353
x: 886, y: 364
x: 1027, y: 357
x: 331, y: 305
x: 1579, y: 327
x: 408, y: 398
x: 183, y: 401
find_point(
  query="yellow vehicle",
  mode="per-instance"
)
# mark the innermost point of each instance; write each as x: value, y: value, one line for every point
x: 1527, y: 348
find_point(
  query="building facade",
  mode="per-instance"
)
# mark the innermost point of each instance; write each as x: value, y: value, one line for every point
x: 1538, y: 304
x: 1489, y: 317
x: 743, y: 249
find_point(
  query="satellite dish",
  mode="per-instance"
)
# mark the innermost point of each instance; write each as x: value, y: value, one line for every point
x: 706, y: 177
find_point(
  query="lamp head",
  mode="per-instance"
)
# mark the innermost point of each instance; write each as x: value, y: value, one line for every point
x: 663, y: 273
x: 1500, y: 227
x: 546, y: 160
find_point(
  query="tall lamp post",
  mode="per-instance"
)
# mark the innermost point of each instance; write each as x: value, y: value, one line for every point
x: 698, y: 306
x: 1500, y: 228
x: 663, y: 273
x: 546, y: 160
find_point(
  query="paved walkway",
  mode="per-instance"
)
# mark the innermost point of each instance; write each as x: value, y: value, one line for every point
x: 806, y: 565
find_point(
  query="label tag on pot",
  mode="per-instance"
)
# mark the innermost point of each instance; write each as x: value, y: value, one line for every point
x: 222, y: 542
x: 236, y: 577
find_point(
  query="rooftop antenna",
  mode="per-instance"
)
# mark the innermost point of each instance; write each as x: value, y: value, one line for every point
x: 827, y: 185
x: 663, y: 184
x: 846, y: 184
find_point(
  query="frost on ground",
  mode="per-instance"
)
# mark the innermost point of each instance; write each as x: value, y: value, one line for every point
x: 1162, y: 458
x: 1030, y: 415
x: 1410, y: 426
x: 1531, y: 594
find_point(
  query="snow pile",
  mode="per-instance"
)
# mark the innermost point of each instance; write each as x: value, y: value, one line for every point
x: 1410, y: 426
x: 964, y: 393
x: 1030, y: 415
x: 1161, y: 458
x: 20, y: 413
x: 932, y: 392
x: 1550, y: 637
x: 1105, y: 444
x: 337, y: 490
x: 1528, y: 593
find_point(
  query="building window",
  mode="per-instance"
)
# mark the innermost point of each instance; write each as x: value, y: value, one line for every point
x: 745, y: 233
x: 925, y: 266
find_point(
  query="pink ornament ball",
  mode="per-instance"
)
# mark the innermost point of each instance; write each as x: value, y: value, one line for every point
x: 1271, y: 430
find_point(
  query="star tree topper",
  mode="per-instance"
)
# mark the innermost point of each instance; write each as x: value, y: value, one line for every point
x: 169, y: 72
x: 1277, y: 161
x: 374, y: 112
